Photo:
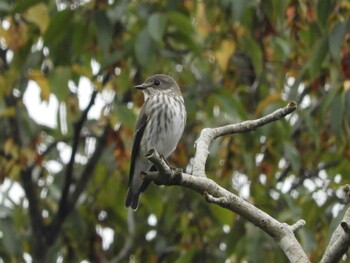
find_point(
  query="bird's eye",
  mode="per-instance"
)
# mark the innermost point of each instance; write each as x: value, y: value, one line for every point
x: 156, y: 82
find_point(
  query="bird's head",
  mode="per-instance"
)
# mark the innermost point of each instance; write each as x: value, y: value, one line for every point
x: 159, y: 83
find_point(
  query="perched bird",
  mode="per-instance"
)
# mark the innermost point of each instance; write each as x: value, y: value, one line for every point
x: 159, y: 125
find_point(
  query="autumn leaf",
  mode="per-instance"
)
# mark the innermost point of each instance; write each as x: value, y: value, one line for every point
x: 42, y: 82
x: 39, y: 16
x: 224, y: 53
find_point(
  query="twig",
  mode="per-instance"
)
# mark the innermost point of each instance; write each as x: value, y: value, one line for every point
x: 209, y: 134
x: 311, y: 174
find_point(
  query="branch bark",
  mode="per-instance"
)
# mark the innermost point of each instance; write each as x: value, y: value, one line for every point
x: 282, y: 233
x: 340, y: 240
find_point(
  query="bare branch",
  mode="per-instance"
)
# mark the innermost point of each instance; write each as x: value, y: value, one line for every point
x: 209, y: 134
x: 340, y: 240
x: 282, y: 233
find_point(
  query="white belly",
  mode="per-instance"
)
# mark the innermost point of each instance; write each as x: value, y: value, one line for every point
x: 164, y: 137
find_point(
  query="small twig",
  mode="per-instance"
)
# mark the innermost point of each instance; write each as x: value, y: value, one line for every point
x: 311, y: 174
x: 214, y: 200
x: 299, y: 224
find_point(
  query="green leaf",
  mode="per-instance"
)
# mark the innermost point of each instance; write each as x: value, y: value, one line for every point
x: 59, y: 82
x: 156, y: 26
x: 317, y: 56
x: 111, y: 59
x: 239, y: 8
x: 308, y: 240
x: 324, y: 8
x: 23, y: 5
x: 337, y: 113
x: 254, y: 50
x: 104, y: 31
x: 10, y: 237
x: 143, y: 47
x: 336, y: 38
x: 181, y: 32
x: 125, y: 115
x: 79, y: 36
x: 181, y: 22
x: 55, y: 32
x: 186, y: 256
x: 5, y: 6
x: 292, y: 155
x: 222, y: 216
x: 231, y: 105
x: 327, y: 102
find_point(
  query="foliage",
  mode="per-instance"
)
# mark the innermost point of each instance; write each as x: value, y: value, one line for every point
x: 234, y: 60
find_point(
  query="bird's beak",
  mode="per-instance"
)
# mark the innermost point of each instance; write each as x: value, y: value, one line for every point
x: 142, y: 86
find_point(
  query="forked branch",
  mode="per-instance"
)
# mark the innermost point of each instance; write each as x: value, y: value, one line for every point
x: 282, y: 233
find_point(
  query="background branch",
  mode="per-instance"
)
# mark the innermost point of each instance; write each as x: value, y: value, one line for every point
x: 36, y: 220
x: 66, y: 205
x: 69, y: 171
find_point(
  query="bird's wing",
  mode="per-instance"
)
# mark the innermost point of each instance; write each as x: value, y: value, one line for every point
x: 141, y: 124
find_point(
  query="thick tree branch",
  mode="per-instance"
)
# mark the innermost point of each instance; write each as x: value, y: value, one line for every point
x: 36, y: 220
x: 282, y: 233
x: 340, y: 240
x: 209, y: 134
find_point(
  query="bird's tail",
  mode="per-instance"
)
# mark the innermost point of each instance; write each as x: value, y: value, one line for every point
x: 132, y: 199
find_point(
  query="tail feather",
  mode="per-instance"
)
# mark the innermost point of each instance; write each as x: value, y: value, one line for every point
x: 132, y: 199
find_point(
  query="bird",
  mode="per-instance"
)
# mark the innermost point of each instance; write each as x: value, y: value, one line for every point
x: 159, y: 125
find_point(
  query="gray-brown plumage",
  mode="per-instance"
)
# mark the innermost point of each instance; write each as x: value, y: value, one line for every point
x: 159, y: 125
